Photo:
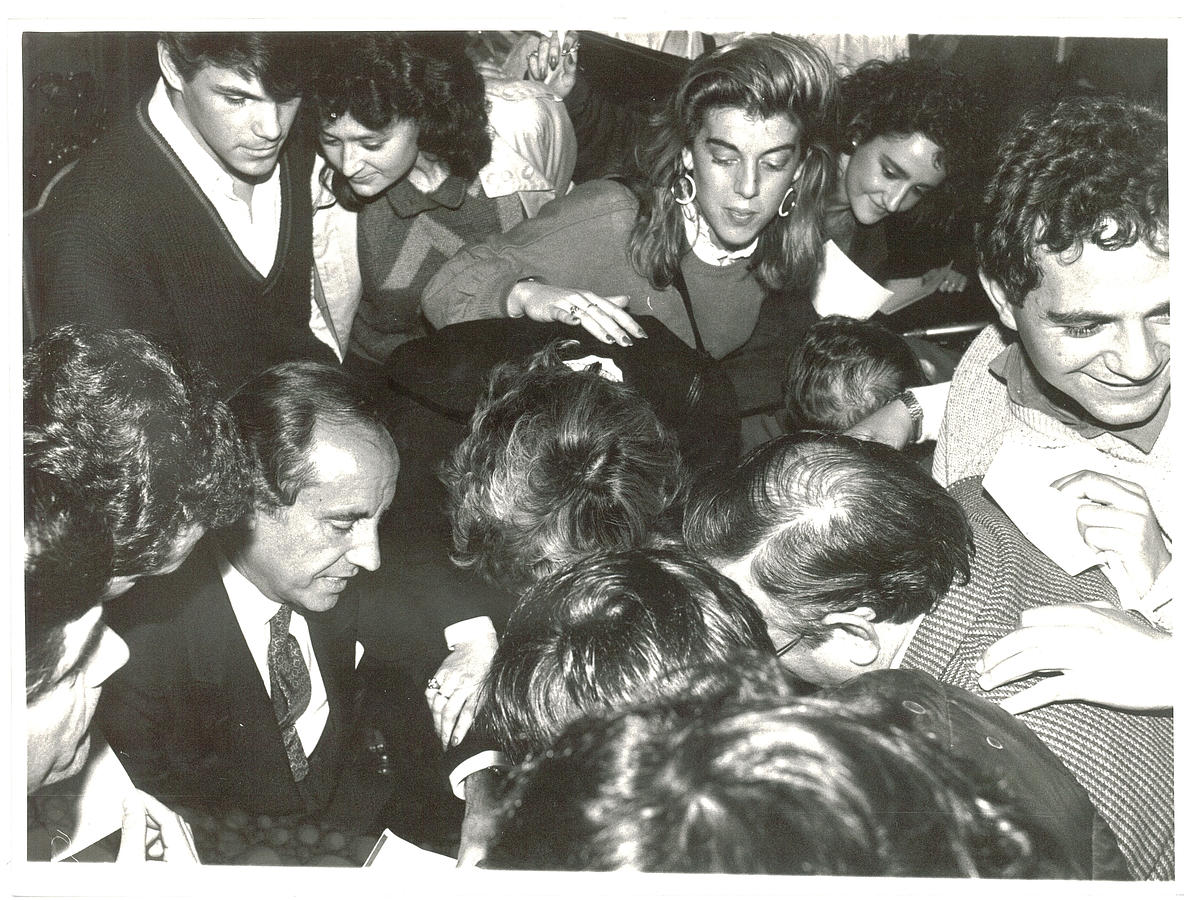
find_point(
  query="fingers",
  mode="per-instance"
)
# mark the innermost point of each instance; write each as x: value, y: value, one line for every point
x: 554, y: 49
x: 1042, y: 693
x: 152, y: 831
x: 446, y: 715
x: 536, y: 60
x: 1019, y: 658
x: 603, y: 317
x: 1098, y: 487
x: 176, y: 837
x: 133, y: 831
x: 461, y: 718
x: 953, y: 283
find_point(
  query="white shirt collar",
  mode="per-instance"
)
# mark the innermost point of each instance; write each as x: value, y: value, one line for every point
x: 206, y: 170
x: 703, y: 246
x: 251, y: 606
x: 904, y: 645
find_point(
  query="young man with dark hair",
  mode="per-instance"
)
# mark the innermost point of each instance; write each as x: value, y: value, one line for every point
x: 858, y: 561
x: 240, y: 689
x: 1073, y: 253
x: 192, y: 218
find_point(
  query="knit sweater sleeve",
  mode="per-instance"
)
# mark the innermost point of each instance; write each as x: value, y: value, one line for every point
x: 578, y: 241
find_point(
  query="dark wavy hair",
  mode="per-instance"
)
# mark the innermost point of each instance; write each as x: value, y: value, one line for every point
x: 279, y: 59
x: 139, y: 432
x: 612, y: 629
x: 1085, y: 169
x: 378, y: 77
x: 832, y: 524
x: 910, y: 96
x: 844, y: 369
x: 558, y: 464
x: 278, y: 412
x: 778, y: 784
x: 765, y: 75
x: 907, y: 96
x: 67, y: 566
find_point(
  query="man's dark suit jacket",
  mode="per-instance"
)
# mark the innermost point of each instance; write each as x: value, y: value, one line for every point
x: 189, y: 714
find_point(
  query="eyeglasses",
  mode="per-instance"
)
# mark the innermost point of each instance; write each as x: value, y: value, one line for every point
x: 785, y: 648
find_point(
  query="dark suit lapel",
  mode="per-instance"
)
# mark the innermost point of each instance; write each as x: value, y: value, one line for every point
x: 229, y: 683
x: 333, y: 639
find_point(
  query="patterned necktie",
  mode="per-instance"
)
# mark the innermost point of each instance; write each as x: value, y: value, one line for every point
x: 290, y: 687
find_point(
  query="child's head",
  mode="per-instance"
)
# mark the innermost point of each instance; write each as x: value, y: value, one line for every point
x: 843, y: 370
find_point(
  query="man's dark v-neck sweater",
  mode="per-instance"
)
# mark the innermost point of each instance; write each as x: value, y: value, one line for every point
x: 129, y: 240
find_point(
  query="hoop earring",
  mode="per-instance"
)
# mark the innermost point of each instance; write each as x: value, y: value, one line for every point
x: 684, y: 201
x: 791, y: 196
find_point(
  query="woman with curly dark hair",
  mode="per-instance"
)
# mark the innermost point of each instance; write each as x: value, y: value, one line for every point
x: 906, y: 135
x: 431, y: 157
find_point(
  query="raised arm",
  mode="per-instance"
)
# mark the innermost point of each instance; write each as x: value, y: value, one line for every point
x: 568, y: 264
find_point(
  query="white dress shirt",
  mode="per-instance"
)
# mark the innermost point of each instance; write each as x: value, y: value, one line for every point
x: 255, y: 226
x: 254, y: 612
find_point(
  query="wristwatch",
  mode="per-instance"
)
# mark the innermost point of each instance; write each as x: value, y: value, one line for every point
x: 909, y: 399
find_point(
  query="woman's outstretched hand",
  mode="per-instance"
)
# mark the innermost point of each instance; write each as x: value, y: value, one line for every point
x: 551, y: 59
x: 603, y: 317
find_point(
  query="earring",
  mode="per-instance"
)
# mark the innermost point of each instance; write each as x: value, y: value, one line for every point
x: 690, y: 197
x: 791, y: 196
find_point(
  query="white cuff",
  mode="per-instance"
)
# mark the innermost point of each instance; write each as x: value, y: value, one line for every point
x: 932, y: 398
x: 486, y: 759
x: 468, y: 630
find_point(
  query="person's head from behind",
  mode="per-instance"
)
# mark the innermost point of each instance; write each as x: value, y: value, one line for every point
x: 143, y: 436
x: 844, y: 369
x: 323, y: 469
x: 613, y: 629
x: 558, y: 464
x: 237, y: 92
x: 69, y: 652
x: 904, y: 127
x: 737, y: 149
x: 772, y: 785
x: 385, y: 103
x: 841, y: 543
x: 1073, y: 253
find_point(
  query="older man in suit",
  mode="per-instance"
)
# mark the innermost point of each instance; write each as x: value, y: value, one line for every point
x: 242, y: 676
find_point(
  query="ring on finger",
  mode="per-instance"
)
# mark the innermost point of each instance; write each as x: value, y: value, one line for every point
x: 434, y: 684
x: 574, y: 311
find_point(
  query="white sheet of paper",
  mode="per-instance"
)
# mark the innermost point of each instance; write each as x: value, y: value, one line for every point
x: 392, y: 852
x: 608, y: 369
x: 97, y: 794
x: 844, y: 289
x: 1020, y: 479
x: 906, y: 291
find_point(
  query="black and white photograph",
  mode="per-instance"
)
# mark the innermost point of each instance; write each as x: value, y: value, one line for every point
x: 471, y: 453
